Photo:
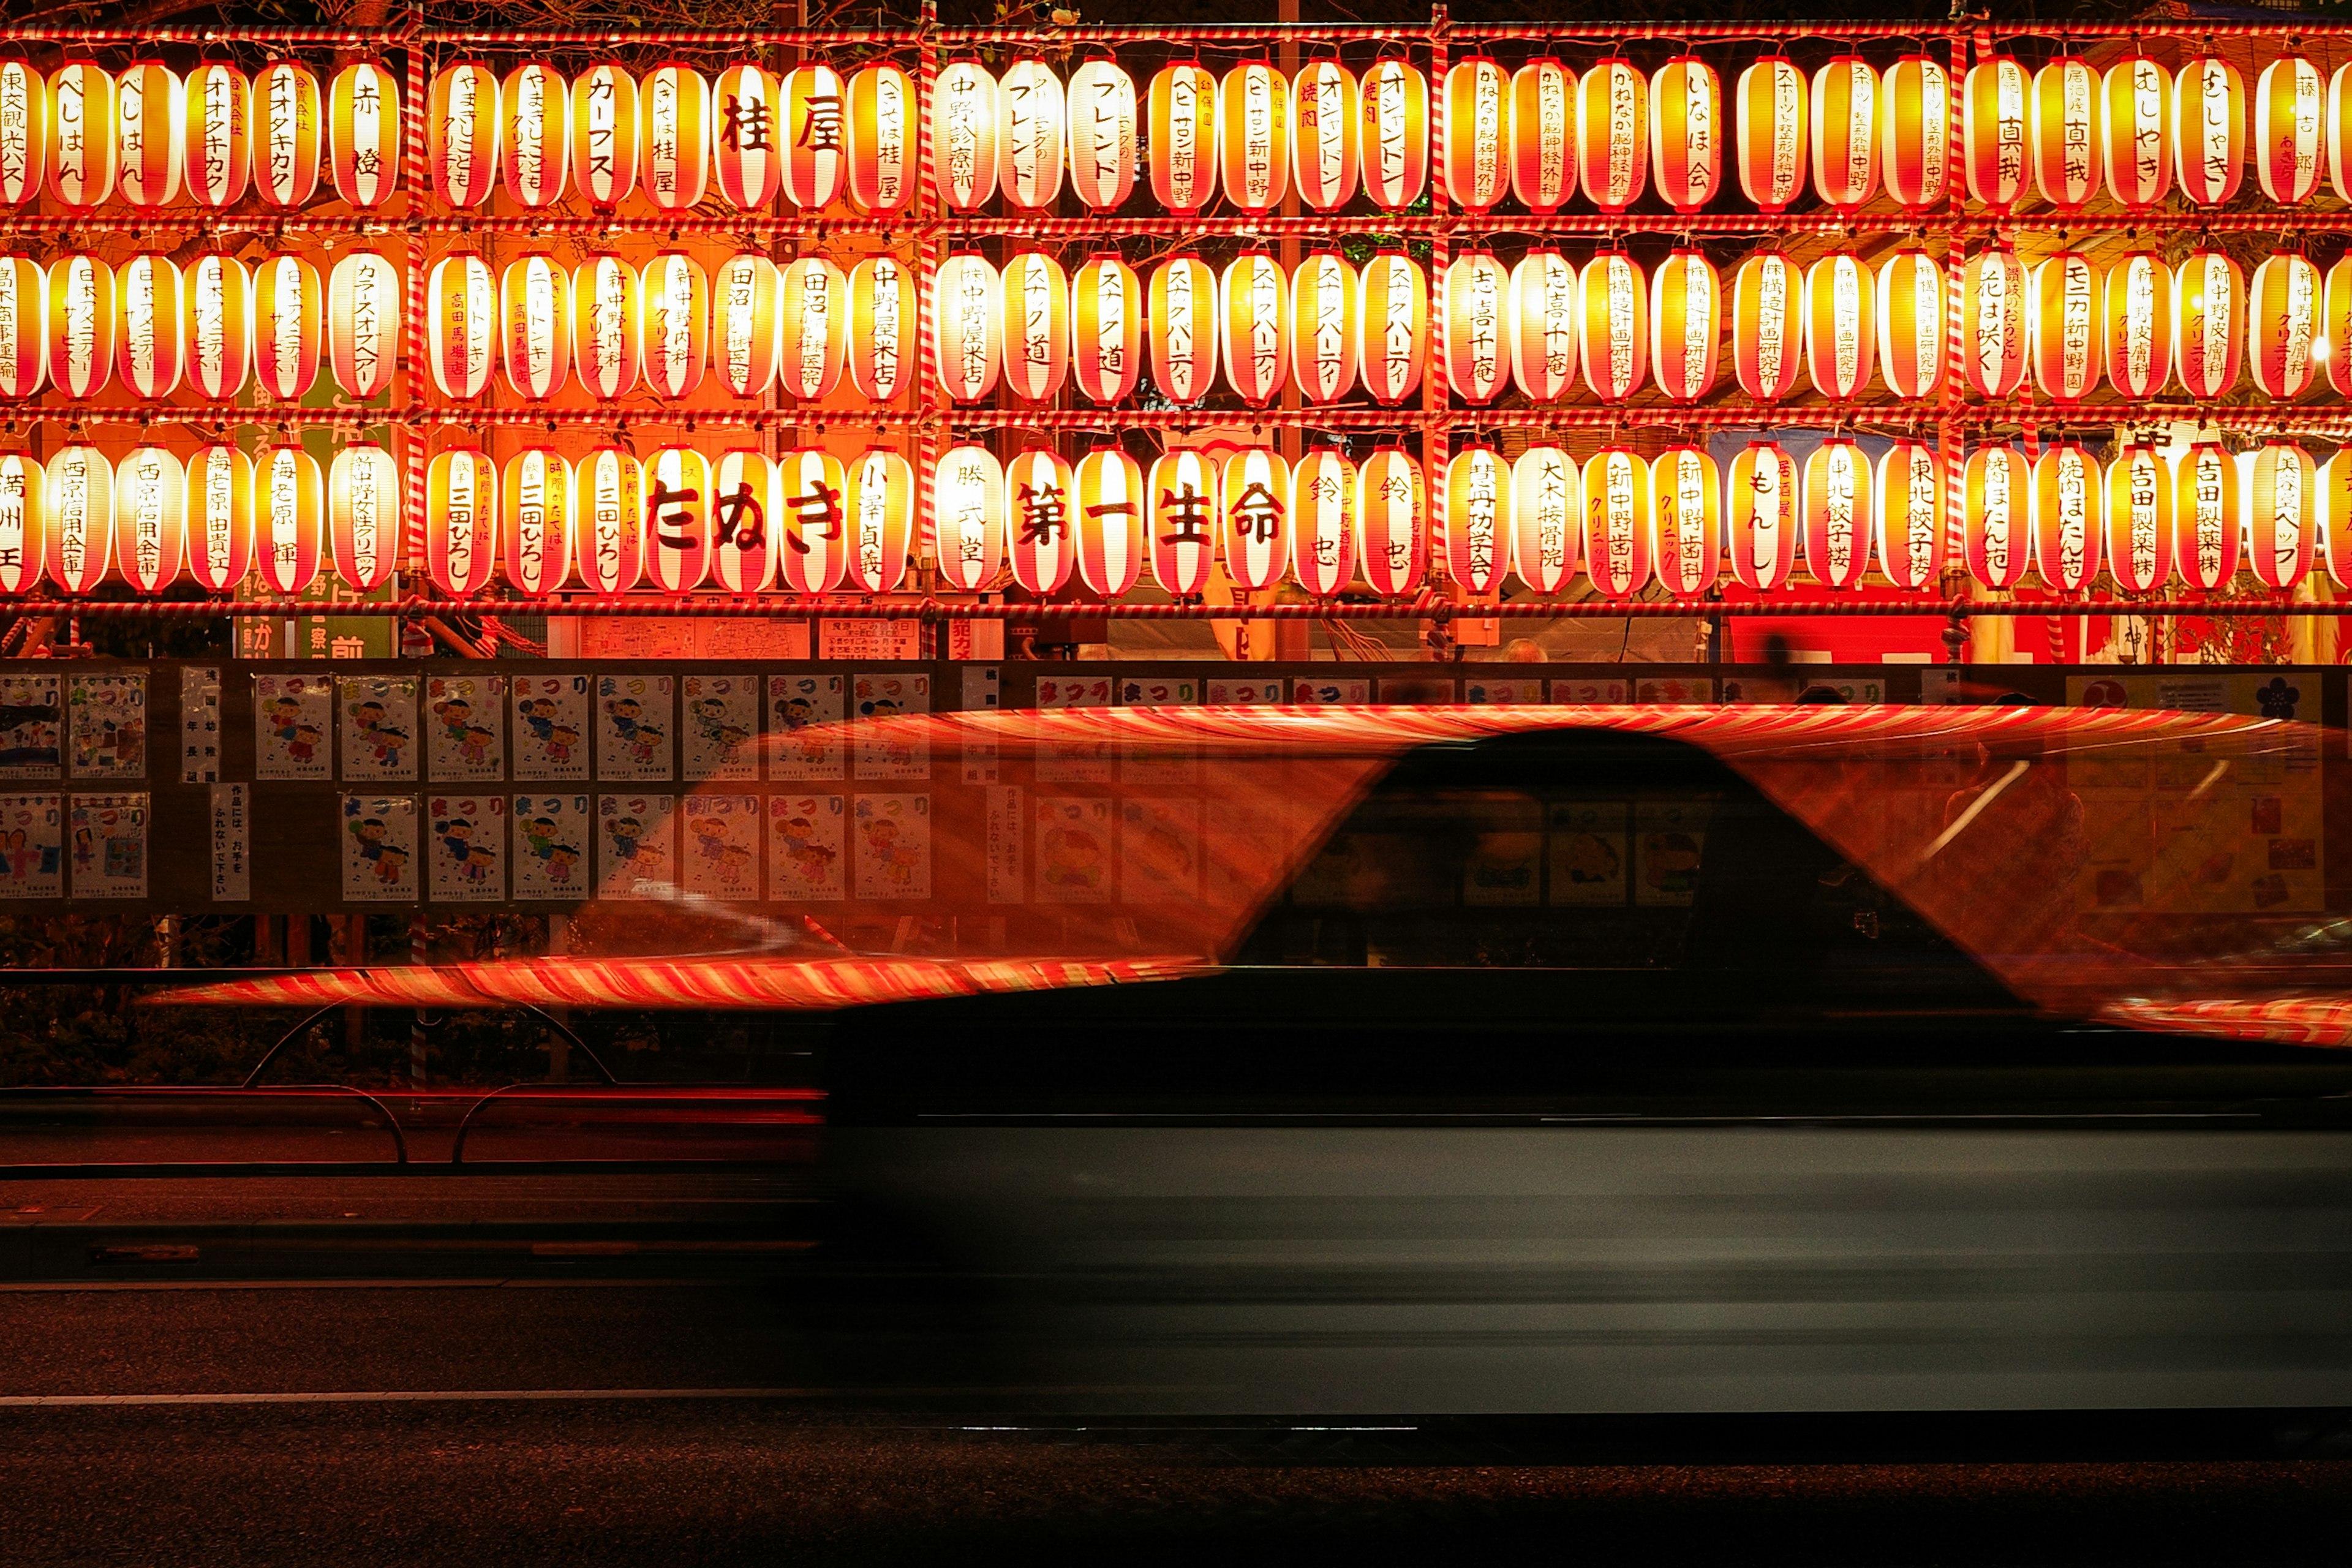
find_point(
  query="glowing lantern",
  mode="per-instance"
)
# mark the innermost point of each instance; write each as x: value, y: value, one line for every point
x: 969, y: 308
x: 81, y: 325
x: 460, y: 324
x: 1254, y: 136
x: 1029, y: 135
x: 675, y: 132
x: 1109, y: 509
x: 1479, y: 523
x: 1322, y: 146
x: 1254, y: 326
x: 1614, y: 330
x: 2066, y: 507
x: 2067, y: 143
x: 24, y: 327
x: 1611, y: 143
x: 2334, y: 346
x: 604, y: 135
x: 364, y: 317
x: 364, y: 140
x: 25, y: 132
x: 1323, y: 522
x: 2339, y: 141
x: 1993, y: 119
x: 2140, y: 519
x: 1687, y: 495
x: 605, y: 326
x: 677, y: 520
x: 1038, y: 487
x: 1473, y: 319
x: 811, y: 522
x: 215, y: 158
x: 744, y: 324
x: 24, y: 523
x: 813, y: 299
x: 1182, y: 104
x: 1911, y: 325
x: 1772, y: 133
x: 1183, y: 321
x: 1997, y: 533
x: 148, y: 346
x: 81, y: 134
x: 1391, y: 526
x: 968, y: 518
x: 535, y: 520
x: 1477, y: 133
x: 1844, y: 125
x: 1180, y: 520
x: 747, y: 135
x: 1840, y: 339
x: 1915, y: 132
x: 78, y: 497
x: 1768, y: 312
x: 963, y: 134
x: 218, y: 292
x: 675, y: 295
x: 881, y: 328
x: 816, y: 119
x: 881, y: 140
x: 2139, y: 324
x: 364, y: 515
x: 461, y: 518
x: 1543, y: 325
x: 608, y: 492
x: 150, y: 134
x: 1254, y: 518
x: 1909, y: 501
x: 1395, y: 140
x: 2209, y: 131
x: 2136, y: 99
x: 285, y: 326
x: 1106, y: 328
x: 749, y: 509
x: 1618, y: 521
x: 1839, y: 522
x: 2286, y: 325
x: 1543, y: 134
x: 881, y: 524
x: 286, y: 134
x: 2208, y: 301
x: 2336, y: 515
x: 150, y: 518
x: 2282, y: 506
x: 462, y: 127
x: 2289, y: 125
x: 1760, y: 494
x: 2066, y: 327
x: 1686, y: 132
x: 220, y: 521
x: 1993, y: 307
x: 289, y: 506
x: 1036, y: 326
x: 1686, y: 325
x: 536, y: 131
x: 534, y: 316
x: 1102, y: 115
x: 2206, y: 514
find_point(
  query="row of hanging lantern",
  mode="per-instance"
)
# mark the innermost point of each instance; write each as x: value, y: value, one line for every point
x: 808, y: 523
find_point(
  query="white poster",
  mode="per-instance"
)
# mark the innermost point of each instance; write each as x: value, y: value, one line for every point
x: 636, y: 845
x: 551, y: 839
x: 377, y: 716
x: 634, y: 742
x: 467, y: 852
x: 465, y: 729
x: 379, y: 841
x: 720, y: 714
x: 32, y: 846
x: 807, y: 740
x: 807, y: 849
x: 892, y: 845
x: 232, y: 810
x: 200, y: 730
x: 293, y: 723
x: 891, y: 750
x: 720, y: 858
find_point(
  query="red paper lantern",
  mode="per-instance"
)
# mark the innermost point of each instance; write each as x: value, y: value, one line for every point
x: 1840, y: 526
x: 148, y: 348
x: 1543, y: 325
x: 460, y: 324
x: 1993, y: 116
x: 1543, y: 134
x: 2338, y: 132
x: 1395, y: 140
x: 2282, y: 510
x: 364, y: 514
x: 1253, y: 327
x: 2069, y: 144
x: 1323, y: 146
x: 1771, y: 132
x: 1993, y: 307
x: 150, y: 518
x: 1844, y: 119
x: 219, y: 295
x: 1037, y: 325
x: 1254, y: 518
x: 1183, y: 323
x: 289, y: 506
x: 1109, y: 512
x: 2139, y: 324
x: 24, y: 327
x: 1391, y: 524
x: 1686, y: 132
x: 365, y: 134
x: 1475, y: 308
x: 745, y: 324
x: 748, y: 136
x: 675, y: 295
x: 150, y: 134
x: 286, y: 134
x: 1909, y: 501
x: 749, y: 509
x: 1184, y: 141
x: 463, y: 125
x: 969, y: 308
x: 2136, y: 96
x: 1841, y: 338
x: 1686, y: 325
x: 1254, y: 136
x: 677, y: 520
x: 215, y: 159
x: 1029, y: 135
x: 2336, y: 515
x: 1323, y: 522
x: 675, y: 130
x: 2068, y: 509
x: 1915, y: 132
x: 881, y: 498
x: 535, y: 104
x: 461, y: 521
x: 2209, y: 131
x: 881, y: 328
x: 609, y: 494
x: 535, y: 520
x: 1038, y: 488
x: 364, y: 309
x: 2140, y: 519
x: 2067, y: 327
x: 2207, y: 304
x: 2287, y: 298
x: 25, y: 132
x: 1103, y: 132
x: 1181, y: 518
x: 1767, y: 312
x: 1995, y: 487
x: 1612, y: 141
x: 2333, y: 347
x: 1323, y: 329
x: 287, y: 320
x: 1477, y: 133
x: 1760, y: 494
x: 968, y: 518
x: 881, y: 140
x: 813, y: 347
x: 534, y: 318
x: 79, y: 499
x: 220, y: 521
x: 605, y: 128
x: 24, y: 523
x: 1478, y: 526
x: 963, y: 134
x: 1688, y: 494
x: 816, y: 115
x: 1618, y: 521
x: 81, y: 326
x: 2290, y: 123
x: 2206, y: 517
x: 1106, y: 328
x: 606, y: 326
x: 1911, y: 325
x: 1614, y: 330
x: 81, y: 134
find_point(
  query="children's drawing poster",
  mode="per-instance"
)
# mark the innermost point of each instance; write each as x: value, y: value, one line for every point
x: 1159, y: 850
x: 550, y: 846
x: 1158, y: 763
x: 891, y: 840
x: 805, y: 848
x: 886, y: 751
x: 293, y: 723
x: 720, y: 717
x: 720, y: 845
x: 634, y: 742
x: 377, y: 715
x: 804, y: 726
x: 551, y: 729
x: 465, y: 729
x: 379, y: 835
x: 467, y: 850
x: 30, y: 727
x: 32, y: 846
x: 1074, y: 850
x: 1073, y: 760
x: 106, y: 723
x: 636, y: 845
